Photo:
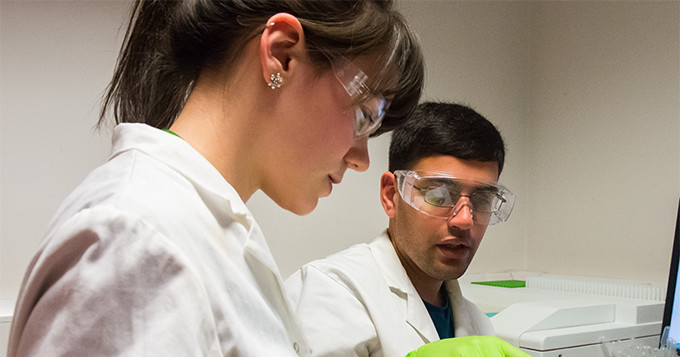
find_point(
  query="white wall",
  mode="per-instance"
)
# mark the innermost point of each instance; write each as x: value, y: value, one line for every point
x: 586, y: 95
x: 56, y: 59
x: 604, y: 128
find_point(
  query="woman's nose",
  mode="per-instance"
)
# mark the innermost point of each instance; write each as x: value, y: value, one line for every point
x: 357, y: 157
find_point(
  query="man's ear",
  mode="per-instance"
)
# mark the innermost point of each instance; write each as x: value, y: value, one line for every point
x: 389, y: 194
x: 281, y: 43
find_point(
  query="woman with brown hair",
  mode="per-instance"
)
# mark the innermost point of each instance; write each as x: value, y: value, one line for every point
x: 155, y: 253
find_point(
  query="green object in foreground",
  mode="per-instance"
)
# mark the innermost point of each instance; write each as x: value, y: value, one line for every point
x: 503, y: 283
x: 470, y: 346
x: 171, y: 132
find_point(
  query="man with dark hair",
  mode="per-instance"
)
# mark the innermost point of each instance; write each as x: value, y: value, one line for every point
x: 401, y: 291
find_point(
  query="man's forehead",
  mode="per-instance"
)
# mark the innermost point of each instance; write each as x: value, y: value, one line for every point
x: 446, y: 165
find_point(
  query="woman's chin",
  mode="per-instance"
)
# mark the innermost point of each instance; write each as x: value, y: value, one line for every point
x: 301, y: 208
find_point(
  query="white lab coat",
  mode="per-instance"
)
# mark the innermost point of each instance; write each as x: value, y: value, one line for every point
x: 360, y: 302
x: 154, y: 254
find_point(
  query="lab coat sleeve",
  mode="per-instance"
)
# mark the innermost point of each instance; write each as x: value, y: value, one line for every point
x: 333, y: 318
x: 112, y: 286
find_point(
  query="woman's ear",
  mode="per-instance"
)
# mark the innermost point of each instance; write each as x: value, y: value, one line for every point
x: 281, y: 44
x: 389, y: 194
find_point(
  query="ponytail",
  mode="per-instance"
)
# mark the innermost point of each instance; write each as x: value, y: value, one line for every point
x: 148, y: 85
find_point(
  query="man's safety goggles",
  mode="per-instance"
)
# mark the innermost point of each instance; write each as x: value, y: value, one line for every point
x: 438, y: 194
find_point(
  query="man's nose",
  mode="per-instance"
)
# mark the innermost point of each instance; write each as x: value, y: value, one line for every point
x: 462, y: 214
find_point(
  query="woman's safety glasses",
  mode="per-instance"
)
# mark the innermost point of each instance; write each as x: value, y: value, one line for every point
x: 370, y: 112
x: 438, y: 194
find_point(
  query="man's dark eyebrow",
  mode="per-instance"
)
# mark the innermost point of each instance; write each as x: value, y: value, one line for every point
x: 489, y: 188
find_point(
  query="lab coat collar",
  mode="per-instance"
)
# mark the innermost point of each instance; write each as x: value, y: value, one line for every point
x: 220, y: 197
x: 400, y: 284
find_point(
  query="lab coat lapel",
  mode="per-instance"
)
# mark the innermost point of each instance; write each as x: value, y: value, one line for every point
x: 463, y: 322
x: 258, y: 257
x: 265, y: 271
x: 415, y: 313
x: 418, y: 317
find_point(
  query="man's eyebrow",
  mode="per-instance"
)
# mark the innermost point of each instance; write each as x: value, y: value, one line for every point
x: 486, y: 187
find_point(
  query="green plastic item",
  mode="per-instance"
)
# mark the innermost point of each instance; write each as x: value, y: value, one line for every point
x: 503, y: 283
x: 469, y: 346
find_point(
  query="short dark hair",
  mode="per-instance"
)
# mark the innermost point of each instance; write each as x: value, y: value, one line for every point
x: 445, y: 129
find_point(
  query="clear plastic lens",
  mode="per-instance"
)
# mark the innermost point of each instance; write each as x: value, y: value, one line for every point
x: 438, y: 195
x: 363, y: 122
x: 441, y: 196
x: 369, y: 114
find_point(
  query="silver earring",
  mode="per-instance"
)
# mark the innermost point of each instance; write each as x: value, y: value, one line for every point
x: 275, y: 81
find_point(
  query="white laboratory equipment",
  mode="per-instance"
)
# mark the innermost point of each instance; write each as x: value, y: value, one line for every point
x: 562, y: 316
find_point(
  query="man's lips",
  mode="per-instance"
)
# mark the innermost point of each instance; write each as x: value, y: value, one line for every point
x: 454, y: 250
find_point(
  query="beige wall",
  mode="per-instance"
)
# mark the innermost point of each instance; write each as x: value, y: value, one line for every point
x: 55, y: 60
x: 586, y: 95
x: 604, y: 138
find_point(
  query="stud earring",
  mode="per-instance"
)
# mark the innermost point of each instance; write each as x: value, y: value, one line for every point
x: 275, y: 81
